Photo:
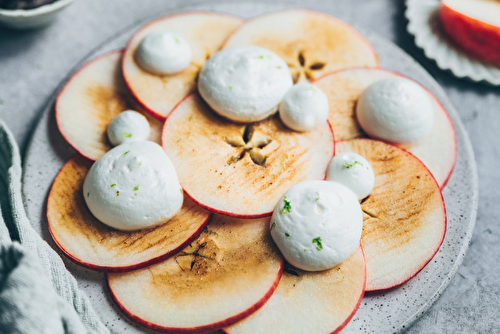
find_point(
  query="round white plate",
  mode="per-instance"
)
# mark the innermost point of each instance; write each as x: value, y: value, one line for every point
x: 392, y: 311
x: 424, y: 24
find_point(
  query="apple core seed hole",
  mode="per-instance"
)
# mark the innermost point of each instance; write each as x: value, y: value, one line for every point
x: 317, y: 66
x: 302, y: 60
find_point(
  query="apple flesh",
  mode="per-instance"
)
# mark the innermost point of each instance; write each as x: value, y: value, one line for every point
x: 241, y: 170
x: 310, y: 302
x: 88, y: 102
x: 228, y: 273
x: 404, y: 217
x: 311, y: 43
x: 204, y: 31
x: 91, y: 244
x: 437, y: 150
x: 474, y: 26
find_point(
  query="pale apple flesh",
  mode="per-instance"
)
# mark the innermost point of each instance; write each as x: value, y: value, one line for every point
x: 241, y: 170
x: 311, y: 43
x: 437, y: 150
x: 91, y: 244
x: 404, y: 217
x: 228, y: 273
x: 310, y: 302
x: 88, y: 102
x: 474, y: 26
x: 205, y: 33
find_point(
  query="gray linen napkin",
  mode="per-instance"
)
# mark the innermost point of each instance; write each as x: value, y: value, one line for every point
x: 37, y: 293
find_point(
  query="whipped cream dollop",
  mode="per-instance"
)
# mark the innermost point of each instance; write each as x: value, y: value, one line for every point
x: 244, y: 83
x: 353, y: 171
x: 127, y: 126
x: 163, y: 52
x: 317, y: 225
x: 133, y: 186
x: 304, y: 107
x: 396, y: 110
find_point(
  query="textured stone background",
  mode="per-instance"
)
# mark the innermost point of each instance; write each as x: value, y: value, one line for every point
x: 33, y: 64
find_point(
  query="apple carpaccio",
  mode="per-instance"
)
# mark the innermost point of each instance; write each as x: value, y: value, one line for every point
x: 90, y: 243
x: 404, y: 217
x: 241, y: 170
x: 474, y: 26
x: 311, y: 43
x: 310, y: 302
x: 88, y: 102
x: 205, y: 33
x: 437, y: 150
x: 228, y: 273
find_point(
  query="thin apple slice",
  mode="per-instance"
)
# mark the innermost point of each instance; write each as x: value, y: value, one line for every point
x: 311, y: 43
x: 241, y: 170
x: 88, y: 102
x: 310, y: 302
x: 205, y: 33
x: 404, y: 218
x: 437, y: 151
x: 474, y: 26
x: 228, y: 273
x: 90, y: 243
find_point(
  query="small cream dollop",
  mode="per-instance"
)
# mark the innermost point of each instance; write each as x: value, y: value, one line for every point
x: 127, y: 126
x: 396, y: 110
x: 317, y: 225
x: 244, y: 83
x: 304, y: 107
x: 133, y: 186
x: 353, y: 171
x: 163, y: 52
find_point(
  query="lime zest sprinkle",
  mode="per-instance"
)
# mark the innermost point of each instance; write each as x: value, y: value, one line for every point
x: 356, y: 162
x: 317, y: 198
x: 117, y: 194
x: 278, y: 67
x: 113, y: 185
x: 287, y: 207
x: 139, y: 164
x: 177, y: 40
x: 136, y: 188
x: 272, y: 226
x: 2, y: 102
x: 230, y: 87
x: 127, y: 135
x: 88, y: 194
x: 126, y: 153
x: 182, y: 192
x: 317, y: 241
x: 287, y: 235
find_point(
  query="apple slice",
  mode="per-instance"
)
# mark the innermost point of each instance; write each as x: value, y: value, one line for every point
x: 88, y: 102
x: 404, y: 218
x: 90, y: 243
x: 241, y: 170
x: 311, y: 43
x: 310, y: 302
x: 474, y: 26
x: 437, y: 151
x: 228, y: 273
x: 205, y: 33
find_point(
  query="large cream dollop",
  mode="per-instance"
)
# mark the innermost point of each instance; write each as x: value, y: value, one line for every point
x: 163, y: 53
x: 396, y: 110
x: 128, y: 125
x: 133, y: 186
x: 317, y: 225
x: 244, y: 83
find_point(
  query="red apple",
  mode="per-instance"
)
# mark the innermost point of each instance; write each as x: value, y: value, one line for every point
x: 474, y: 26
x: 205, y: 32
x: 437, y: 151
x: 404, y: 217
x: 228, y: 273
x: 88, y: 102
x: 91, y: 244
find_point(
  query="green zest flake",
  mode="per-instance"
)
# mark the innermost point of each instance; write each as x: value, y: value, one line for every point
x: 1, y: 102
x: 139, y: 164
x: 117, y: 194
x: 278, y: 67
x: 88, y: 194
x: 287, y: 207
x: 113, y: 185
x: 272, y: 226
x: 230, y: 87
x: 317, y: 198
x: 310, y: 88
x: 136, y: 188
x: 126, y: 153
x: 182, y: 193
x: 287, y: 235
x: 126, y: 135
x: 178, y: 141
x: 348, y: 165
x: 317, y: 241
x: 177, y: 40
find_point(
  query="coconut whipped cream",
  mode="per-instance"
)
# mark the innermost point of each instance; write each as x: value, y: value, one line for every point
x: 304, y: 107
x: 317, y: 225
x: 244, y: 83
x: 396, y: 110
x: 163, y: 52
x: 133, y: 186
x: 353, y: 171
x: 127, y: 126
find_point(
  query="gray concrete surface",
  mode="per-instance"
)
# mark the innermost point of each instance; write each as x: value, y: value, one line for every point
x: 33, y: 64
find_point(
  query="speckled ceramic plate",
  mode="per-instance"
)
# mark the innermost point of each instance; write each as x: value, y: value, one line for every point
x: 424, y: 25
x: 389, y: 312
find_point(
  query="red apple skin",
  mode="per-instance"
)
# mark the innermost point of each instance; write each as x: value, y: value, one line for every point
x: 202, y: 329
x: 477, y: 38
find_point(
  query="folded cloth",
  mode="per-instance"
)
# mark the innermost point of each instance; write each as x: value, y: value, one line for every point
x: 30, y: 266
